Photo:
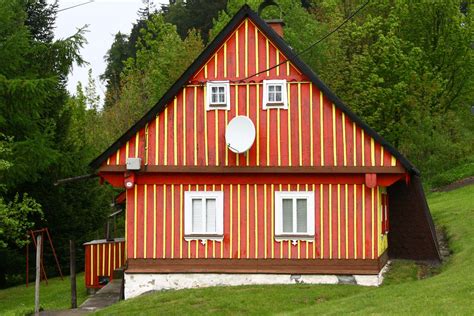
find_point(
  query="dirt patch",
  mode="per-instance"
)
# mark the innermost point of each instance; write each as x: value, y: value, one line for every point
x: 455, y: 185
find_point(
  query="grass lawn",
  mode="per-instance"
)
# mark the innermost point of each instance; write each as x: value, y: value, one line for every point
x: 449, y: 292
x: 20, y: 300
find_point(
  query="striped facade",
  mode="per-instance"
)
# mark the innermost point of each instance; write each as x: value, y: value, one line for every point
x: 101, y: 259
x: 312, y: 132
x: 348, y: 223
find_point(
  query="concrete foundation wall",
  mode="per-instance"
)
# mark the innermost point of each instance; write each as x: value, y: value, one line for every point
x: 136, y: 284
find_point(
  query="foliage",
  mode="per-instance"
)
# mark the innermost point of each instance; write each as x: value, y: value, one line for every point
x: 449, y: 292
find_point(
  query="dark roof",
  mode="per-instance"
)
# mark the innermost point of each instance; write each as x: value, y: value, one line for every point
x: 244, y: 12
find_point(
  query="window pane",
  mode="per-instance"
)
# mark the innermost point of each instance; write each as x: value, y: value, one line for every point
x: 278, y: 88
x: 301, y: 215
x: 271, y: 97
x: 221, y: 89
x: 197, y: 216
x: 278, y: 96
x: 214, y: 98
x: 221, y: 98
x: 271, y: 88
x: 287, y: 215
x: 213, y: 90
x: 211, y: 215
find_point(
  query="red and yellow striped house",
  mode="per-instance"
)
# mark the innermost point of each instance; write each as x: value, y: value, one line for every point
x: 312, y: 196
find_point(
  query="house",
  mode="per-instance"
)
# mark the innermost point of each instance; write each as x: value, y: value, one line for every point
x: 318, y: 195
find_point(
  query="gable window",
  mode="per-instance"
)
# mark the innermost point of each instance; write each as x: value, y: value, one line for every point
x: 218, y: 95
x: 203, y: 215
x: 274, y: 94
x: 294, y: 215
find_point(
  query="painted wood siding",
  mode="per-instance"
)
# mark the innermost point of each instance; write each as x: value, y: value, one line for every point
x: 347, y: 222
x: 101, y: 260
x: 312, y: 132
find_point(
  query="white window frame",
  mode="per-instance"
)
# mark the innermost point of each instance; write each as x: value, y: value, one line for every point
x: 188, y: 215
x: 284, y: 95
x: 309, y: 234
x: 217, y: 105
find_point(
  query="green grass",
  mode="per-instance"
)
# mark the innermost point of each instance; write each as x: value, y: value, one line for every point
x: 450, y: 291
x: 20, y: 300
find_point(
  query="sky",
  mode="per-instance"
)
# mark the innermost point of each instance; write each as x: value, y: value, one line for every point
x: 104, y: 19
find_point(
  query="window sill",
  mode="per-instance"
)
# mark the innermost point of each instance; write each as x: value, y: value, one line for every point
x: 294, y: 238
x: 270, y: 106
x: 204, y: 238
x: 217, y: 106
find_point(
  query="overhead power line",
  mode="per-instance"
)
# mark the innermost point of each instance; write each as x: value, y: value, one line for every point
x: 315, y: 43
x: 75, y: 6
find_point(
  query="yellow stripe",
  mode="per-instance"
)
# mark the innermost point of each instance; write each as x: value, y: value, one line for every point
x: 157, y: 149
x: 205, y: 71
x: 195, y: 126
x: 246, y: 38
x: 307, y: 244
x: 222, y: 243
x: 172, y: 221
x: 321, y: 124
x: 248, y: 221
x: 344, y: 144
x: 258, y: 126
x: 372, y: 152
x: 288, y: 68
x: 231, y: 217
x: 265, y: 220
x: 206, y: 152
x: 277, y: 62
x: 127, y: 150
x: 363, y: 147
x: 394, y: 161
x: 247, y: 102
x: 165, y: 162
x: 189, y: 242
x: 256, y: 49
x: 278, y: 137
x: 379, y: 222
x: 205, y: 245
x: 272, y: 199
x: 114, y: 256
x: 215, y: 65
x: 137, y: 143
x: 109, y: 259
x: 175, y: 130
x: 117, y: 157
x: 92, y: 264
x: 145, y: 219
x: 237, y: 53
x: 238, y: 221
x: 103, y: 259
x: 334, y: 142
x: 300, y: 140
x: 226, y: 149
x: 146, y: 144
x: 268, y: 138
x: 311, y: 145
x: 346, y: 206
x: 314, y: 241
x: 164, y: 221
x: 236, y: 114
x: 154, y: 221
x: 372, y: 221
x: 330, y: 221
x: 267, y: 56
x: 354, y: 143
x: 354, y: 201
x: 256, y: 220
x: 108, y: 161
x: 381, y: 155
x: 216, y: 133
x: 289, y: 126
x: 363, y: 221
x: 127, y: 212
x: 97, y: 262
x: 339, y: 221
x: 184, y: 127
x: 225, y: 60
x: 135, y: 198
x: 321, y: 210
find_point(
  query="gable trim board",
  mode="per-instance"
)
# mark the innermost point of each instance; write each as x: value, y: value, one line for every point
x: 244, y: 12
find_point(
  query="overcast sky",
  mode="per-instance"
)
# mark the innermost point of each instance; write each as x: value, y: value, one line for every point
x: 105, y: 18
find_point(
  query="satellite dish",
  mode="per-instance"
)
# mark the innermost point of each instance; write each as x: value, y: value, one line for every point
x: 240, y: 134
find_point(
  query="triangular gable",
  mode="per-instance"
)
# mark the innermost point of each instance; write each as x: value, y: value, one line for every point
x: 198, y: 70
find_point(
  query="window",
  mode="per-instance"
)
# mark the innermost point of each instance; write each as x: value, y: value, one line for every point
x: 274, y: 94
x: 218, y: 95
x: 203, y: 215
x: 294, y: 215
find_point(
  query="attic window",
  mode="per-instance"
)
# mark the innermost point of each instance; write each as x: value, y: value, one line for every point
x: 274, y: 94
x: 218, y: 95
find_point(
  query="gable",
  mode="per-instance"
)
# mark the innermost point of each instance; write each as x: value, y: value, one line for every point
x: 316, y: 130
